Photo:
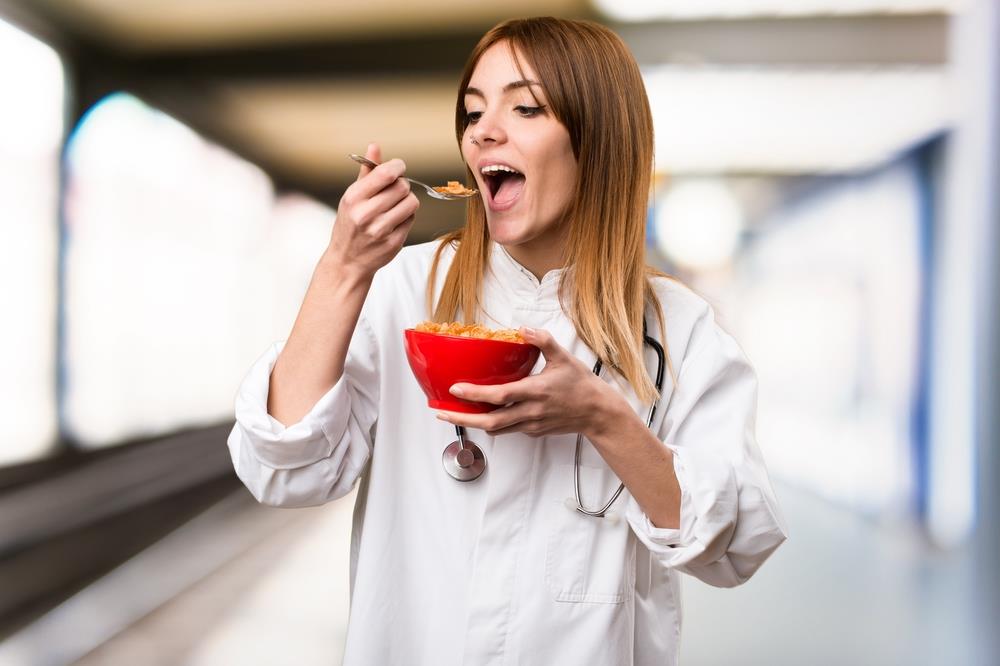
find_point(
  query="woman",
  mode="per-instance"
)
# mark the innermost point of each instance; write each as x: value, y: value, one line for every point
x: 554, y: 125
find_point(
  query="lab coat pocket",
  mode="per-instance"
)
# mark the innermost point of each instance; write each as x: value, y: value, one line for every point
x: 588, y: 559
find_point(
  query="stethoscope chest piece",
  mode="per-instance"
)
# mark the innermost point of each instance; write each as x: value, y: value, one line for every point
x: 462, y: 459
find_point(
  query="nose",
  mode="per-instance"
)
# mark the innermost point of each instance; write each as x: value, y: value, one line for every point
x: 488, y: 129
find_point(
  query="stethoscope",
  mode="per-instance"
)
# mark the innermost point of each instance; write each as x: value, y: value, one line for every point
x: 465, y: 461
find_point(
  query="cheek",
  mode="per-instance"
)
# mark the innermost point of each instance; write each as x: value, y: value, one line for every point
x: 466, y: 148
x: 561, y: 178
x: 567, y: 179
x: 561, y: 181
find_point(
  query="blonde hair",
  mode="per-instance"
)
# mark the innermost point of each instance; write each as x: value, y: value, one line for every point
x: 595, y: 90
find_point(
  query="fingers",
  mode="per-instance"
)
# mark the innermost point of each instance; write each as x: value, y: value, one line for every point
x: 398, y: 235
x: 519, y: 417
x: 542, y: 339
x: 382, y: 202
x: 381, y: 214
x: 376, y: 180
x: 496, y: 394
x: 536, y: 405
x: 395, y: 225
x: 533, y: 428
x: 370, y: 180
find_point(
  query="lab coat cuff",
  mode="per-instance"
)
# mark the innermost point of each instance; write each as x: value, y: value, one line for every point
x: 708, y: 512
x: 299, y: 444
x: 658, y: 538
x: 663, y: 536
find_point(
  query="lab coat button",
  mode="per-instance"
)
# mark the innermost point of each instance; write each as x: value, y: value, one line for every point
x: 570, y: 503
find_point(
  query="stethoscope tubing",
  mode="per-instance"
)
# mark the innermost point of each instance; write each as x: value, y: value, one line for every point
x: 465, y: 461
x: 660, y: 363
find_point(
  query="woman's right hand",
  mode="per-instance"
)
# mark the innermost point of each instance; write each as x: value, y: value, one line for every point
x: 374, y: 217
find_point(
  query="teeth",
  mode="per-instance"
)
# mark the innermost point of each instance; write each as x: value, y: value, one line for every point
x: 493, y: 168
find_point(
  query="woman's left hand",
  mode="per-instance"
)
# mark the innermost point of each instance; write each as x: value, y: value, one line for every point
x: 564, y: 397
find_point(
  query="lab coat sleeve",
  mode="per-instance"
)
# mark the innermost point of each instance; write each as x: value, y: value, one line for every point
x: 321, y: 457
x: 729, y: 519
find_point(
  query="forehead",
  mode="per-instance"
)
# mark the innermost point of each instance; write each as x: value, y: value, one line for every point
x: 497, y: 67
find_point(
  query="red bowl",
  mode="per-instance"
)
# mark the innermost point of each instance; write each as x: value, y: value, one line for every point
x: 439, y: 361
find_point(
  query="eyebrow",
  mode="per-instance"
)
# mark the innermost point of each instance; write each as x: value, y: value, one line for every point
x: 513, y: 85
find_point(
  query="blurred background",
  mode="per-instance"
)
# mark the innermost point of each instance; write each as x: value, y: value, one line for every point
x: 169, y: 174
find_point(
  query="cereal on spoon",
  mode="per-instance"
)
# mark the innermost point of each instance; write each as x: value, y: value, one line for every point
x: 455, y: 188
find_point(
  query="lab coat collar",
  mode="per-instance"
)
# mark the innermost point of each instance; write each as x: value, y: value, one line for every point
x: 512, y: 277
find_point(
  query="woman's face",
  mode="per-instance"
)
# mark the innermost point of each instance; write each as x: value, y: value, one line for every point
x: 520, y: 154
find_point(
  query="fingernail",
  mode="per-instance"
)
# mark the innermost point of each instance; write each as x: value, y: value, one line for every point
x: 456, y: 390
x: 529, y: 331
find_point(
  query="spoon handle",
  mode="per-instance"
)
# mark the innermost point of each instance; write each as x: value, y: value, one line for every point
x: 363, y: 160
x: 367, y: 162
x: 444, y: 196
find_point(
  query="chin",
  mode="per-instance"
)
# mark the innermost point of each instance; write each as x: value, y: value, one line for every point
x: 507, y: 233
x: 512, y: 240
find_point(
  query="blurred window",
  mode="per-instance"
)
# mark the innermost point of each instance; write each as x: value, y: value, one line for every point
x: 180, y: 268
x: 679, y: 10
x: 31, y: 130
x: 825, y: 299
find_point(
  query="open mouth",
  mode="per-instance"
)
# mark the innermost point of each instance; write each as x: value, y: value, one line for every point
x: 504, y: 184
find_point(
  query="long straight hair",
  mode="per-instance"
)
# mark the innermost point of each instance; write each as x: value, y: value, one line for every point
x: 594, y: 88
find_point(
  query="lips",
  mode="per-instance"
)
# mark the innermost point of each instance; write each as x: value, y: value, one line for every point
x: 503, y: 184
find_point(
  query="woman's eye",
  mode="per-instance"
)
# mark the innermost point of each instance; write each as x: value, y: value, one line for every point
x: 472, y: 116
x: 528, y: 111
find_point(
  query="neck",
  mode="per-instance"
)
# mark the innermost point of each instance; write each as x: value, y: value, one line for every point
x: 540, y: 255
x: 537, y: 261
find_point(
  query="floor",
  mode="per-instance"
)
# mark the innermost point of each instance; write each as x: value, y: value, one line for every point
x: 251, y: 585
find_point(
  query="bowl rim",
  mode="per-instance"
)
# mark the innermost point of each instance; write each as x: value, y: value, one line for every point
x: 467, y: 337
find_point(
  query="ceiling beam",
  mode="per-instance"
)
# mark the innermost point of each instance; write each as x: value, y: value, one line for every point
x: 876, y: 40
x: 868, y: 39
x: 186, y: 84
x: 827, y: 40
x: 360, y: 58
x: 37, y: 21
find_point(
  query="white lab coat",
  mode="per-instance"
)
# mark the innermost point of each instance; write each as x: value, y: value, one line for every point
x: 499, y: 570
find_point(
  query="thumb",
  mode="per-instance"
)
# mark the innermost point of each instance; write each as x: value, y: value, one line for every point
x: 551, y: 350
x: 374, y: 153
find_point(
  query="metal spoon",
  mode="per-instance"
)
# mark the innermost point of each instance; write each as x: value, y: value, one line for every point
x: 430, y: 190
